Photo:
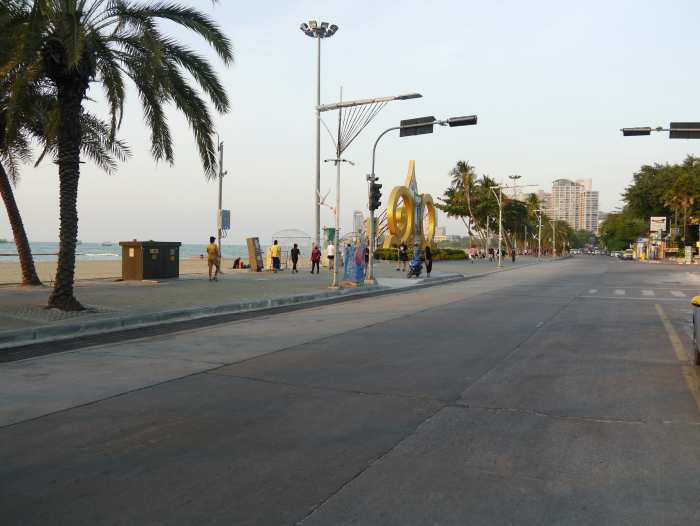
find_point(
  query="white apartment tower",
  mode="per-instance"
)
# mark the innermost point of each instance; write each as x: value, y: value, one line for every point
x: 576, y: 203
x: 358, y: 222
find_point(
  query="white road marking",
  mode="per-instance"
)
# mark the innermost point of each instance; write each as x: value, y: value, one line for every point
x: 620, y: 292
x: 592, y: 291
x: 647, y: 293
x: 677, y: 294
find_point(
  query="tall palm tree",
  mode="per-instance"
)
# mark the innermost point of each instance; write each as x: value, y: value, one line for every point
x: 38, y: 123
x: 75, y: 43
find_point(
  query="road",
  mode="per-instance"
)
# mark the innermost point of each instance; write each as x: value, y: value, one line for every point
x: 552, y: 394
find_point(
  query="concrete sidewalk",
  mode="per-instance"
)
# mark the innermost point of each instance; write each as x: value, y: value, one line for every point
x: 116, y: 305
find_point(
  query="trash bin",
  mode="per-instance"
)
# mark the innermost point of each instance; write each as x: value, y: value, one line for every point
x: 150, y: 259
x: 695, y: 357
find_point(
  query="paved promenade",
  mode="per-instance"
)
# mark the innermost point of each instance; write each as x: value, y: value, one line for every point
x: 23, y: 308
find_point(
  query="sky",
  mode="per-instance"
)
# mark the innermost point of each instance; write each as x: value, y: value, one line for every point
x: 552, y: 82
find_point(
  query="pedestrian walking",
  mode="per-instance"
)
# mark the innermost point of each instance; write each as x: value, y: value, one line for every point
x: 403, y: 257
x: 294, y: 253
x: 315, y: 259
x: 213, y: 258
x: 330, y: 255
x: 275, y: 253
x: 428, y: 260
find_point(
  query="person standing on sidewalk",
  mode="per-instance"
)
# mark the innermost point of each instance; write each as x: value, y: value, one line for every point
x: 295, y: 258
x: 330, y: 254
x: 315, y: 259
x: 275, y: 253
x: 213, y: 258
x: 428, y: 260
x: 403, y: 257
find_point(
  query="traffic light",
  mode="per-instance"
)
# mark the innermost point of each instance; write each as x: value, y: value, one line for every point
x: 375, y: 194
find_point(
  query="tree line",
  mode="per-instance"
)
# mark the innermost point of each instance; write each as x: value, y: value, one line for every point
x: 661, y: 190
x: 54, y: 57
x: 470, y: 198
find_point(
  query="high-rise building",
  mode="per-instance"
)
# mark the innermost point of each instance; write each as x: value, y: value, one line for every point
x: 576, y: 203
x: 358, y: 222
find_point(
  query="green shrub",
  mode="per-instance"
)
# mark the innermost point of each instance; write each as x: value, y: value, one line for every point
x: 439, y: 254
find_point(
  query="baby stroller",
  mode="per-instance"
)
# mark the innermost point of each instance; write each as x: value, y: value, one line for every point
x: 415, y: 266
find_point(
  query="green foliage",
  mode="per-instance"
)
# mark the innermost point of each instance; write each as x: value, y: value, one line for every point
x: 439, y: 254
x: 51, y: 46
x: 619, y: 231
x: 667, y: 190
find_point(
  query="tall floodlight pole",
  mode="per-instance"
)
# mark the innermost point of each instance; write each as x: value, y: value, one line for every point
x: 353, y: 117
x: 314, y: 30
x: 554, y: 237
x: 408, y: 127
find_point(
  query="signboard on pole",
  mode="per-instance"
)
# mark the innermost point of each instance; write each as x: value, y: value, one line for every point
x: 657, y: 224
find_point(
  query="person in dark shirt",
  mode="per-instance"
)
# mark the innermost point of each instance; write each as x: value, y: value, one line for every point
x: 294, y: 253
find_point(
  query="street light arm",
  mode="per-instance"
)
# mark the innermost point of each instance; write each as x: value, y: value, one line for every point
x: 374, y: 148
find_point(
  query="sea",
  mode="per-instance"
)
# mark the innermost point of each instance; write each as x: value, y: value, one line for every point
x: 106, y: 251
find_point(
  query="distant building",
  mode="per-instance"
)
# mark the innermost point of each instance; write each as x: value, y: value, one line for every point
x: 358, y: 222
x: 576, y: 203
x: 440, y: 234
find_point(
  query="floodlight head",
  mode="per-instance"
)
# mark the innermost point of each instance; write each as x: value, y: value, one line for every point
x: 324, y: 25
x: 468, y: 120
x: 333, y: 28
x: 304, y: 27
x: 632, y: 132
x: 313, y: 24
x: 409, y: 96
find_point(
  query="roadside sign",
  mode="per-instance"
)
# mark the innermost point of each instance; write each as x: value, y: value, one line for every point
x: 657, y: 224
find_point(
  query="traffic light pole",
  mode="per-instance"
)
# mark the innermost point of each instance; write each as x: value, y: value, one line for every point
x: 372, y: 227
x: 420, y: 126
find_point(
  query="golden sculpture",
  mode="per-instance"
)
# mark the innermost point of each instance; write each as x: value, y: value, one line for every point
x: 405, y: 213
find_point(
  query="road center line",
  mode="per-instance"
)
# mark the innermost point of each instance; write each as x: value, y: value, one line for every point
x: 689, y: 374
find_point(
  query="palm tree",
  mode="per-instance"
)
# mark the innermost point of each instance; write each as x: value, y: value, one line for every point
x: 72, y: 44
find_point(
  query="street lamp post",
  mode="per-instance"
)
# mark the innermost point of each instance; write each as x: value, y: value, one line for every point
x: 318, y: 31
x: 499, y: 198
x: 515, y: 178
x: 539, y: 232
x: 553, y: 222
x: 348, y: 130
x: 418, y: 126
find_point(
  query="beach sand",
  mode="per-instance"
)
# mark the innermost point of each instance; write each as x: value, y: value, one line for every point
x: 10, y: 271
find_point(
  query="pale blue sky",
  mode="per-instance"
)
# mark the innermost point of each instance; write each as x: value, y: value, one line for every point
x: 551, y: 82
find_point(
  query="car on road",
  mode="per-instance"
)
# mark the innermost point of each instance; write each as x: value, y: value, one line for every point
x: 627, y: 255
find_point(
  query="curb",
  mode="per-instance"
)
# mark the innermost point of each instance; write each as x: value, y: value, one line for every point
x: 23, y: 343
x: 130, y: 325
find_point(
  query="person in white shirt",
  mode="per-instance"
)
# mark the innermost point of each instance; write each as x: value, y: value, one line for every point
x: 330, y: 254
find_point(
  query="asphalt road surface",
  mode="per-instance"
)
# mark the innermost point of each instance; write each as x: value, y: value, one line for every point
x: 553, y: 394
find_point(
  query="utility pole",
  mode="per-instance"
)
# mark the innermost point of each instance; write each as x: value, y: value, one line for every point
x: 219, y: 219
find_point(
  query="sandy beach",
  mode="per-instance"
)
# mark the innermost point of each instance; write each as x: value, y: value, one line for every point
x: 10, y: 271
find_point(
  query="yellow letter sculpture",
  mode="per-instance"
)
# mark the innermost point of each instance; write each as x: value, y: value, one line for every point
x: 405, y: 212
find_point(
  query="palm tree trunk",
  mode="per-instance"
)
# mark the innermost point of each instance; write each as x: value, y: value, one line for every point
x: 29, y: 275
x: 70, y: 96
